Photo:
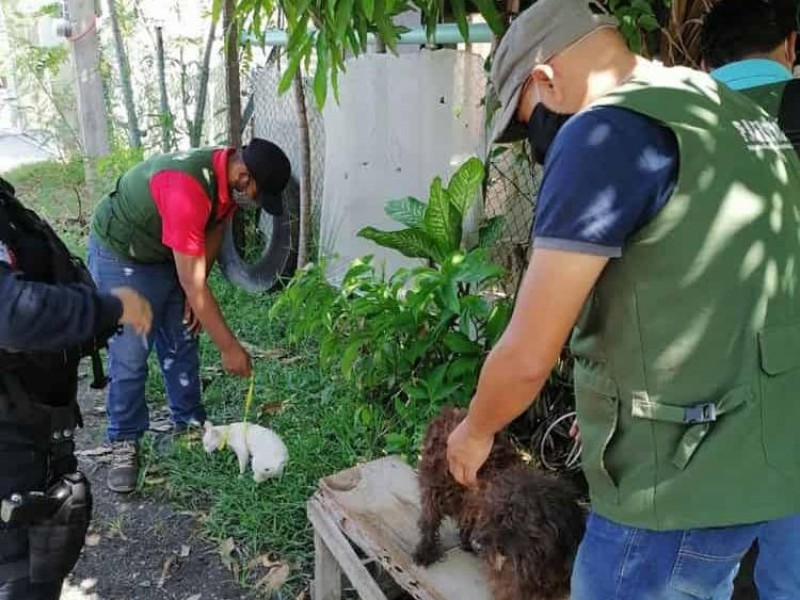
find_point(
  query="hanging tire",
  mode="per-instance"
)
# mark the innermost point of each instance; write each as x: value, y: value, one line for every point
x: 259, y: 251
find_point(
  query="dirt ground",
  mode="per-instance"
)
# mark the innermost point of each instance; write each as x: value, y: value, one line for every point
x: 139, y: 547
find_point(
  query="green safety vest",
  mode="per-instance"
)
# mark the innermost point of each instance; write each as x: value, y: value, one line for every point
x: 127, y: 220
x: 687, y: 369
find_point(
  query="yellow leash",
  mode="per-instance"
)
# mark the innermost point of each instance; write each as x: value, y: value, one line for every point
x: 248, y: 402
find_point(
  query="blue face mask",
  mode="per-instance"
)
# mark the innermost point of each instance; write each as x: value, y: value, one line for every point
x: 543, y: 126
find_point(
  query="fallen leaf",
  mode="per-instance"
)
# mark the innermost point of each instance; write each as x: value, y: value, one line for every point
x: 185, y: 551
x: 93, y: 540
x: 154, y: 481
x: 262, y: 561
x: 291, y: 360
x: 226, y: 549
x: 303, y: 595
x: 195, y: 597
x: 270, y: 408
x: 165, y: 571
x: 263, y: 354
x: 274, y: 580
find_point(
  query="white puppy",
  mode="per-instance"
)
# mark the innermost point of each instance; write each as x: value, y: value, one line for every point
x: 245, y: 439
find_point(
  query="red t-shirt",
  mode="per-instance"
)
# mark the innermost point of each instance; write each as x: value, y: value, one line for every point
x: 185, y: 208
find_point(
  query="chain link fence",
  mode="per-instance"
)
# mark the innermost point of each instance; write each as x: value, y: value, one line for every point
x: 510, y: 187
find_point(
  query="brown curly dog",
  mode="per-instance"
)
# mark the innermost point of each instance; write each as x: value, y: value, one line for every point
x: 526, y: 525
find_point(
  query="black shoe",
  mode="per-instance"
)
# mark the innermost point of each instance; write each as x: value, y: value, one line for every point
x: 124, y: 473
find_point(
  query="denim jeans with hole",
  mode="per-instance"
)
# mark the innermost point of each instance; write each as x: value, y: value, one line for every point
x: 128, y: 352
x: 616, y: 562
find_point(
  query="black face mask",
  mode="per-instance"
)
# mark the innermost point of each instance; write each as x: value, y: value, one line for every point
x: 542, y: 129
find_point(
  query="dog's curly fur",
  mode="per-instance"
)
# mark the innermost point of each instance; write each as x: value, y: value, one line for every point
x: 528, y: 528
x: 443, y: 496
x: 526, y: 524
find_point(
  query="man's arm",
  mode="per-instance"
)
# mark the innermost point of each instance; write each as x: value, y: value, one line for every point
x: 553, y: 291
x: 192, y: 272
x: 214, y: 245
x: 40, y: 317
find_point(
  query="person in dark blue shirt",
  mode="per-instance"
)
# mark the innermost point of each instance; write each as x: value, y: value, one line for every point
x: 620, y: 171
x: 50, y: 316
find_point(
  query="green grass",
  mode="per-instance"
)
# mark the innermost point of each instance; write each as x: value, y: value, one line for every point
x: 321, y: 423
x: 325, y: 427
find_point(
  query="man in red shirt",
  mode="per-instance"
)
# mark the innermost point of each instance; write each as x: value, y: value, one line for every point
x: 160, y: 232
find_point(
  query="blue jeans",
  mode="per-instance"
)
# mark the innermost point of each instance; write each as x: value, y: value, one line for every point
x: 128, y: 352
x: 616, y: 562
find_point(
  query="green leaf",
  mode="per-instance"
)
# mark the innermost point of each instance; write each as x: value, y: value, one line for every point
x: 321, y: 74
x: 344, y: 12
x: 407, y: 211
x: 492, y: 16
x: 497, y: 322
x: 465, y: 367
x: 460, y: 344
x: 443, y: 220
x: 460, y: 14
x: 477, y: 268
x: 448, y: 295
x: 465, y: 184
x: 649, y: 23
x: 294, y: 65
x: 491, y: 231
x: 349, y: 358
x: 409, y: 242
x: 368, y: 7
x: 216, y: 10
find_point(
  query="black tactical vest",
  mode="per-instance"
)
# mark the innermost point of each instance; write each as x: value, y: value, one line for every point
x: 789, y: 116
x: 48, y: 377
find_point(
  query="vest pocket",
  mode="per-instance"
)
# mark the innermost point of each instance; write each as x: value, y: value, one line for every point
x: 780, y: 382
x: 597, y: 403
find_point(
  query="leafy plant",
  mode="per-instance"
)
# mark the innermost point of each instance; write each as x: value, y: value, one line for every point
x: 434, y: 230
x: 331, y: 29
x: 416, y: 339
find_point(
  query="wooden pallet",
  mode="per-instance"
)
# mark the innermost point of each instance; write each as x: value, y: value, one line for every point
x: 374, y: 507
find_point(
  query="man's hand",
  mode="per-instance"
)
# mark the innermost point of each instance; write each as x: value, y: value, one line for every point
x: 466, y: 453
x: 190, y: 319
x: 236, y: 360
x: 136, y: 310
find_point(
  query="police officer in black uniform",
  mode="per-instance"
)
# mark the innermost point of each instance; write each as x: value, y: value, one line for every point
x: 50, y: 317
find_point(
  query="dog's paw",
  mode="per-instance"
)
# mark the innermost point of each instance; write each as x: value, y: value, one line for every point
x: 426, y: 554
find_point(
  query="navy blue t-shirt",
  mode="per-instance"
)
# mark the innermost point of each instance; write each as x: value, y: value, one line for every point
x: 607, y: 174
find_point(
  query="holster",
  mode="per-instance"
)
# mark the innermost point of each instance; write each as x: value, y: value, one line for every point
x: 55, y: 517
x: 55, y: 543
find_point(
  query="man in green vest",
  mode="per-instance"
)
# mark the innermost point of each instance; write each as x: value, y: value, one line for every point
x: 160, y: 232
x: 758, y: 59
x: 666, y: 244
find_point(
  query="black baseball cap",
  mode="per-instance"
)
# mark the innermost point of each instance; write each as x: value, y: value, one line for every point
x: 271, y: 169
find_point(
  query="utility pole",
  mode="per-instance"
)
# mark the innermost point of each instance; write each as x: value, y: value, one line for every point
x: 84, y: 42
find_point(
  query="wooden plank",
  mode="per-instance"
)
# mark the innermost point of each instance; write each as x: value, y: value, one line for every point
x: 327, y: 573
x: 345, y: 556
x: 377, y: 506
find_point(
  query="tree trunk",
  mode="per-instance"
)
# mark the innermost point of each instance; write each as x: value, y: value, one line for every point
x: 166, y: 119
x: 134, y: 134
x: 196, y: 129
x: 304, y: 242
x: 233, y: 83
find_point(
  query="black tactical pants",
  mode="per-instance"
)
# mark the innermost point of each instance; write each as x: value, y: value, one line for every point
x: 24, y: 467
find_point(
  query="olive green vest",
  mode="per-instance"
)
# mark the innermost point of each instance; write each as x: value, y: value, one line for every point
x: 687, y: 372
x: 127, y: 220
